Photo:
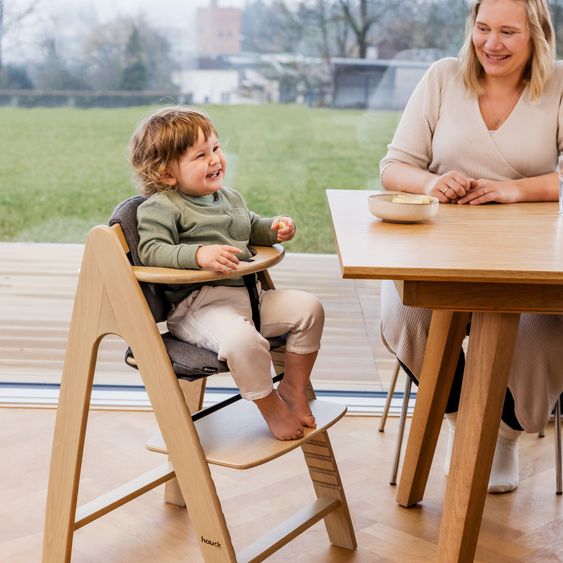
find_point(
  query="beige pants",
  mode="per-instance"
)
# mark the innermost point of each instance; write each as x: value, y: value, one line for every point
x: 219, y: 318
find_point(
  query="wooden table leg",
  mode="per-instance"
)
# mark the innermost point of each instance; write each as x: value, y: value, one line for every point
x: 447, y: 331
x: 484, y: 387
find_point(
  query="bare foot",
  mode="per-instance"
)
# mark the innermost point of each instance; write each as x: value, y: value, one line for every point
x: 296, y: 399
x: 283, y: 424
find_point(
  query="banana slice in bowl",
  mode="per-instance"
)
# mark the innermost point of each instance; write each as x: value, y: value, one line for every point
x: 402, y: 207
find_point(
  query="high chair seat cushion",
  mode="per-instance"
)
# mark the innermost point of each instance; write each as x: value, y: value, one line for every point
x: 192, y: 362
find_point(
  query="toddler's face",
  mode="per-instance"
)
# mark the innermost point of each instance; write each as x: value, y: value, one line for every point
x: 200, y: 171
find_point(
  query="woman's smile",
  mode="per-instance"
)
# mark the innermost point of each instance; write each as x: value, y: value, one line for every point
x: 496, y: 58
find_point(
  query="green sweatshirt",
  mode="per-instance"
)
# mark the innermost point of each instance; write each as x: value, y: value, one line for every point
x: 172, y: 226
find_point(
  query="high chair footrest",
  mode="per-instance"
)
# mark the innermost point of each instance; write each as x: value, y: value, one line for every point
x: 238, y: 437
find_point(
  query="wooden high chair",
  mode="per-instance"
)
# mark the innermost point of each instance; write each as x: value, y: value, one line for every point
x: 110, y: 299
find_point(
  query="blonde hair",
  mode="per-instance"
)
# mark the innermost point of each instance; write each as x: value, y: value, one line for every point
x: 540, y: 66
x: 161, y: 139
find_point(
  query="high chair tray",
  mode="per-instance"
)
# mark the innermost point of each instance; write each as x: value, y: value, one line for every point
x: 237, y: 436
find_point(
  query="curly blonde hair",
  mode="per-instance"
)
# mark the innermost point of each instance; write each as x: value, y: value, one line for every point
x: 161, y: 139
x: 541, y: 64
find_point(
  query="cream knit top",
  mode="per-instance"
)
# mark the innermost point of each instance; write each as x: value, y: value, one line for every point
x: 442, y: 129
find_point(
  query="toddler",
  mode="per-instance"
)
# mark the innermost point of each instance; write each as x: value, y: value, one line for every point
x: 191, y: 220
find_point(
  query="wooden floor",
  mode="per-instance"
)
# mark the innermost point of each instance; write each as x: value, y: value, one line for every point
x: 37, y: 285
x: 525, y: 526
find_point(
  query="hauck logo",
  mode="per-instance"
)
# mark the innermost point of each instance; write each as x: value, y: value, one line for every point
x: 211, y: 542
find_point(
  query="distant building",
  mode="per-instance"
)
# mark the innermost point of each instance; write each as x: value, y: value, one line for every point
x: 252, y: 78
x: 218, y: 30
x: 219, y: 86
x: 374, y: 84
x: 249, y: 78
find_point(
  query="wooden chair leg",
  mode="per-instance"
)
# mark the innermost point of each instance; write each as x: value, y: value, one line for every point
x: 323, y: 470
x: 90, y: 311
x: 401, y: 433
x: 325, y: 476
x: 193, y: 392
x: 173, y: 493
x: 390, y: 394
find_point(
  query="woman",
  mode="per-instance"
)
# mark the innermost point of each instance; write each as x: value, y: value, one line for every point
x: 487, y: 127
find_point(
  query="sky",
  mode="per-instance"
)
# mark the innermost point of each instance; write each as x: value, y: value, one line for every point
x: 64, y: 17
x: 161, y: 11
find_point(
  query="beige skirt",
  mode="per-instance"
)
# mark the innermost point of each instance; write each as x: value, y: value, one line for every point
x: 536, y: 373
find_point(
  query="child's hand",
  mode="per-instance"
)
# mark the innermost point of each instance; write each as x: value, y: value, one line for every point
x: 219, y: 258
x: 285, y: 227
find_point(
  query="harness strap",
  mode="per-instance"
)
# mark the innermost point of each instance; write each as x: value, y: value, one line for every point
x: 250, y: 283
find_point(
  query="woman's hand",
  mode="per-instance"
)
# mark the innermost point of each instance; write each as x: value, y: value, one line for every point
x: 219, y: 258
x: 449, y: 187
x: 486, y: 191
x: 285, y: 227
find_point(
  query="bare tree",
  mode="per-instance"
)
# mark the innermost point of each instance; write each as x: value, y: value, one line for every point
x: 362, y: 16
x: 334, y: 30
x: 270, y: 27
x: 54, y: 71
x: 341, y: 32
x: 109, y: 52
x: 347, y: 28
x: 10, y: 20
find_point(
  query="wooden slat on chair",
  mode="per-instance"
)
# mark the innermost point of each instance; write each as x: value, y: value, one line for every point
x: 118, y: 497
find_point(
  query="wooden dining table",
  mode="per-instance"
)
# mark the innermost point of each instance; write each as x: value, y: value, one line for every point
x: 487, y: 263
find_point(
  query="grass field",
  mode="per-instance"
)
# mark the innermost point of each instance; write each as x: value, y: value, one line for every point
x: 63, y: 170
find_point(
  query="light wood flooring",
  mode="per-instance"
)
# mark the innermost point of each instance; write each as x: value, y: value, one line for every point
x: 37, y: 285
x: 525, y: 526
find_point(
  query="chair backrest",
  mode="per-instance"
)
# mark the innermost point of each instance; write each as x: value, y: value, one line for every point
x: 125, y: 215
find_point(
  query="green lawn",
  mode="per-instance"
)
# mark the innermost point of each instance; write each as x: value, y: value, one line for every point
x: 63, y: 170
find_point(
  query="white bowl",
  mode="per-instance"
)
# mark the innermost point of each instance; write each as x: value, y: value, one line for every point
x: 383, y: 206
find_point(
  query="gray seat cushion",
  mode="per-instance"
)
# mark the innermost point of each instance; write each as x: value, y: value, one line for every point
x: 191, y: 362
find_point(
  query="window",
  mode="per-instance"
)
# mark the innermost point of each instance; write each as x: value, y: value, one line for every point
x: 299, y: 108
